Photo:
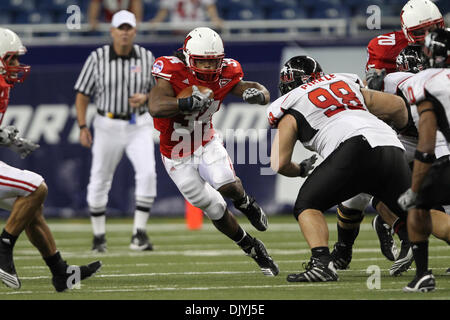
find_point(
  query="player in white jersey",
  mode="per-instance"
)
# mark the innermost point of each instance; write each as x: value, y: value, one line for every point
x: 429, y: 91
x: 329, y: 114
x: 385, y: 223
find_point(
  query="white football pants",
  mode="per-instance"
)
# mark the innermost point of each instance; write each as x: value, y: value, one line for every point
x: 113, y: 137
x: 16, y: 183
x: 200, y: 175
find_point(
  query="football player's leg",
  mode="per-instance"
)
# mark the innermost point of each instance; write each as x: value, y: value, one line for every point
x: 22, y: 192
x: 433, y: 190
x: 440, y: 225
x: 140, y: 151
x: 216, y: 168
x: 396, y: 178
x: 107, y: 151
x: 202, y: 195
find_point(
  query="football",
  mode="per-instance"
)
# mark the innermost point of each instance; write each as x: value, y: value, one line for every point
x: 187, y: 92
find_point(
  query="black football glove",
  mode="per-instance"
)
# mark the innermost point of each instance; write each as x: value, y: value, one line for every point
x: 375, y: 80
x: 307, y: 165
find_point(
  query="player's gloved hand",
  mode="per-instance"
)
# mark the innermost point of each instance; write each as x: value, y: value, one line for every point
x: 7, y: 135
x: 407, y: 200
x: 253, y: 95
x: 198, y: 101
x: 307, y: 165
x: 23, y: 147
x: 375, y: 80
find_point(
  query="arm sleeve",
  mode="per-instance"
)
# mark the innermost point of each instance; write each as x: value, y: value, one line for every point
x: 86, y: 80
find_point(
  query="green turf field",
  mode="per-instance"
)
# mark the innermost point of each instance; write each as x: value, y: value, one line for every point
x: 205, y: 265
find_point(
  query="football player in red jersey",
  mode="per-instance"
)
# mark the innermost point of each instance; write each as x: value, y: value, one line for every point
x: 417, y: 17
x: 23, y: 192
x: 192, y: 153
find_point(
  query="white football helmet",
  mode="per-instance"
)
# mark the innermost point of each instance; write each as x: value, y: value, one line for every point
x: 11, y: 46
x: 204, y: 44
x: 417, y: 17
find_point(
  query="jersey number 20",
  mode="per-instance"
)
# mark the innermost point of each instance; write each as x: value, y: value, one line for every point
x: 324, y: 99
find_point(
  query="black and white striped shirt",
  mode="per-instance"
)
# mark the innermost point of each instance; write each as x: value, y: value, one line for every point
x: 111, y: 79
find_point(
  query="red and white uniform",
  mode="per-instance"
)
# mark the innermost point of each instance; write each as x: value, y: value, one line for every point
x: 4, y: 97
x: 181, y: 135
x: 193, y: 156
x: 13, y: 182
x: 383, y: 50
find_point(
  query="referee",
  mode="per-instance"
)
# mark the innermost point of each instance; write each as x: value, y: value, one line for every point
x: 118, y: 77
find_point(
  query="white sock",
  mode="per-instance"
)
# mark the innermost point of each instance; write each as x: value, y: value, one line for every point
x: 140, y: 220
x: 98, y: 225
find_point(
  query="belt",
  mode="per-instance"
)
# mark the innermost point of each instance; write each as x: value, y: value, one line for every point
x: 121, y: 116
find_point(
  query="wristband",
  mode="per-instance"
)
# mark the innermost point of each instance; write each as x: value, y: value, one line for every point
x: 302, y: 170
x: 82, y: 126
x: 424, y: 157
x: 185, y: 104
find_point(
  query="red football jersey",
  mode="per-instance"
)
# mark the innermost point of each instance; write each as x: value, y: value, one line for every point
x: 182, y: 134
x: 4, y: 96
x: 383, y: 50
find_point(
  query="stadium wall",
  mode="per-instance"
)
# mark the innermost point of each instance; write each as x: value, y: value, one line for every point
x: 43, y: 110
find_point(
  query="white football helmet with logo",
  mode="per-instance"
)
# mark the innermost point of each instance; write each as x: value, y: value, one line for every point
x: 11, y: 46
x: 204, y: 44
x: 417, y: 17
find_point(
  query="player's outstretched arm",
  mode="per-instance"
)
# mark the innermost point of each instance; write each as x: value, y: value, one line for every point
x: 388, y: 107
x: 283, y: 146
x: 162, y: 102
x: 251, y: 92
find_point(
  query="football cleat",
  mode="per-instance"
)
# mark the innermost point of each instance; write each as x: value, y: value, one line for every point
x: 259, y: 253
x: 68, y: 280
x: 404, y: 260
x: 140, y: 241
x: 99, y: 243
x: 385, y: 236
x: 8, y: 273
x: 425, y: 283
x: 316, y: 271
x: 253, y: 212
x: 341, y: 256
x: 448, y: 271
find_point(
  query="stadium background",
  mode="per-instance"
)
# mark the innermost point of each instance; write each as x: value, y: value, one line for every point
x: 260, y: 34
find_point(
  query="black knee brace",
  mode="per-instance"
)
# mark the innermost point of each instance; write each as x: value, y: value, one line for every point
x: 347, y: 215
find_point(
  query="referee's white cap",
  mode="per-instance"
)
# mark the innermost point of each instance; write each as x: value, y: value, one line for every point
x: 123, y: 16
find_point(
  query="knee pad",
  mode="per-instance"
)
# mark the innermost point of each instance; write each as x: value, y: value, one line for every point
x: 358, y: 202
x: 347, y: 215
x: 194, y: 192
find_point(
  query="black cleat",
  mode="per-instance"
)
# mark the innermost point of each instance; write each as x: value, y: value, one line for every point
x: 385, y: 236
x: 316, y: 271
x: 425, y: 283
x: 404, y: 260
x: 259, y: 253
x: 448, y: 271
x: 254, y: 213
x: 8, y: 273
x: 140, y: 241
x: 99, y: 244
x: 341, y: 256
x: 68, y: 280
